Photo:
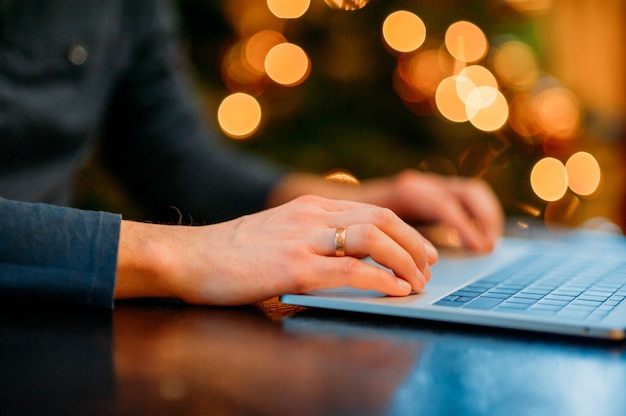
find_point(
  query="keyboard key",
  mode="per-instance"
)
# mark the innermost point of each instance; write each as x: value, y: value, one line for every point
x: 508, y: 304
x: 546, y: 307
x: 579, y: 307
x: 529, y: 295
x: 449, y: 303
x: 591, y: 303
x: 483, y: 303
x: 467, y: 293
x: 565, y: 298
x: 556, y: 304
x: 519, y: 299
x: 573, y: 314
x: 540, y: 312
x: 495, y: 295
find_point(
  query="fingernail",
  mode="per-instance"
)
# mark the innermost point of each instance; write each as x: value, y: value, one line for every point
x: 428, y: 274
x: 430, y: 249
x: 404, y: 285
x: 420, y: 276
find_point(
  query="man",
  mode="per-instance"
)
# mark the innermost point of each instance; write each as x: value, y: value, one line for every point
x: 78, y: 75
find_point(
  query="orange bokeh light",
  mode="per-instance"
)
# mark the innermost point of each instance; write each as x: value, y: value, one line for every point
x: 287, y: 64
x: 557, y: 113
x: 346, y: 4
x: 404, y: 31
x: 548, y: 179
x: 448, y: 102
x: 288, y: 9
x: 239, y: 115
x: 516, y: 65
x: 584, y: 173
x: 255, y: 49
x: 466, y: 42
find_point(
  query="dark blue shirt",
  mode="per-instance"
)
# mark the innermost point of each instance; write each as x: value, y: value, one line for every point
x: 107, y: 73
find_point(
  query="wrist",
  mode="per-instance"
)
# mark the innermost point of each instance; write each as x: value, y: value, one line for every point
x: 144, y: 261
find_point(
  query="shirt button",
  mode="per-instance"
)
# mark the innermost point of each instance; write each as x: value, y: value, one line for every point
x: 77, y: 55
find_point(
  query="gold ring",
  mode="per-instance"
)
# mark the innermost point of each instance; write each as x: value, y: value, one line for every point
x: 340, y: 242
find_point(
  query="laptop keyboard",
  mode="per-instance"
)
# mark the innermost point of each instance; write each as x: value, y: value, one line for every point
x: 570, y: 286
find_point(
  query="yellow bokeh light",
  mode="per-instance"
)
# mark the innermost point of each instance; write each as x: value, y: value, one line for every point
x: 346, y: 4
x: 448, y: 102
x: 557, y: 113
x: 516, y: 65
x: 288, y: 9
x: 548, y: 179
x: 239, y: 115
x: 479, y: 98
x: 584, y: 173
x: 287, y: 64
x: 341, y: 176
x: 521, y: 117
x: 530, y: 7
x: 487, y: 109
x: 257, y: 46
x: 473, y: 77
x: 404, y: 31
x: 424, y: 70
x: 466, y: 42
x: 240, y: 71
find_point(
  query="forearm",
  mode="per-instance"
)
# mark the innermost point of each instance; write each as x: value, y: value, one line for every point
x: 55, y: 254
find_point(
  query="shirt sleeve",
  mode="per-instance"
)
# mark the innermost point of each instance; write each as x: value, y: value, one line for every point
x: 163, y: 147
x: 59, y: 255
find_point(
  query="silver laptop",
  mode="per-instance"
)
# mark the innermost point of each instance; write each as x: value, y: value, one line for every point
x: 571, y: 284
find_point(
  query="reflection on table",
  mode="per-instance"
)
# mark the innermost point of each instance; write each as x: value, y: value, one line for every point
x: 168, y: 358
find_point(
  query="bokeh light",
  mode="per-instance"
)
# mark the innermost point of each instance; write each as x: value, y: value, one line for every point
x: 584, y: 173
x: 548, y: 179
x: 448, y: 101
x: 404, y: 31
x: 516, y: 65
x: 487, y: 109
x: 497, y: 85
x: 346, y: 4
x: 255, y: 49
x: 473, y: 77
x: 288, y: 9
x: 287, y: 64
x: 239, y: 115
x: 557, y: 113
x: 530, y: 7
x: 418, y: 75
x: 521, y: 115
x: 466, y: 42
x: 239, y: 74
x: 342, y: 176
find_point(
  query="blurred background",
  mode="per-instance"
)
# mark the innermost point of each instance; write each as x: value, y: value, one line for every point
x: 528, y: 94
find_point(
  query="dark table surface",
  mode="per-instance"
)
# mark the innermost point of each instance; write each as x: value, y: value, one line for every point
x: 165, y: 358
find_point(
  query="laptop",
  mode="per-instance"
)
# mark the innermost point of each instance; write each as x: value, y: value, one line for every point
x: 570, y: 283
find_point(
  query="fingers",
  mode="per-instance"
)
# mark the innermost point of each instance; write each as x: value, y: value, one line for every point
x: 382, y: 235
x: 349, y: 271
x: 476, y: 213
x: 364, y: 240
x: 467, y: 206
x: 378, y: 231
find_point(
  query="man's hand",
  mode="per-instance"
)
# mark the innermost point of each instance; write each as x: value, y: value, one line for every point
x: 286, y: 249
